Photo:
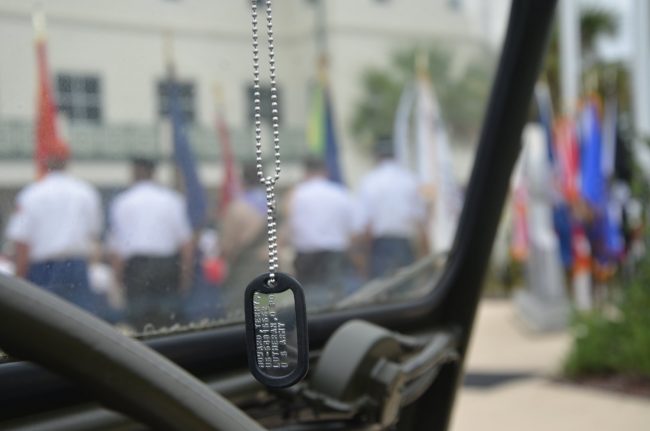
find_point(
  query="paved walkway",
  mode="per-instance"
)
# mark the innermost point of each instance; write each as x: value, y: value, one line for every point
x: 508, y: 385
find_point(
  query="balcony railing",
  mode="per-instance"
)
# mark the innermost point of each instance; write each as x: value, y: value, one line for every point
x: 124, y: 141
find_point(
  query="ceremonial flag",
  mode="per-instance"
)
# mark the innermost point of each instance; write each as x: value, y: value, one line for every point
x: 592, y: 185
x: 597, y: 163
x: 321, y: 132
x: 428, y: 156
x: 434, y: 165
x: 48, y: 143
x: 230, y: 186
x: 184, y: 157
x: 615, y: 242
x: 402, y: 128
x: 568, y: 157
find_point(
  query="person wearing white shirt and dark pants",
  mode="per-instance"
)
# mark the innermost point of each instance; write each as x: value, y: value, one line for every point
x: 324, y: 220
x: 56, y: 223
x: 151, y: 243
x: 394, y: 211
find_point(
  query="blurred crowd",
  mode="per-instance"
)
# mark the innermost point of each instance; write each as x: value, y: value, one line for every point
x: 146, y: 265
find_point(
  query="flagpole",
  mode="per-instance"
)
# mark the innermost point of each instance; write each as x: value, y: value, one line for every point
x: 569, y: 55
x: 168, y: 150
x: 640, y: 71
x: 38, y: 22
x: 168, y: 51
x: 321, y: 30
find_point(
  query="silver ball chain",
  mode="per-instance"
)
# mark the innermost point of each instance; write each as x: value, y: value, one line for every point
x: 268, y: 181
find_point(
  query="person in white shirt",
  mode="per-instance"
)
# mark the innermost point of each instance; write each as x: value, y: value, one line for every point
x: 150, y: 239
x: 56, y: 223
x: 395, y: 213
x: 324, y: 221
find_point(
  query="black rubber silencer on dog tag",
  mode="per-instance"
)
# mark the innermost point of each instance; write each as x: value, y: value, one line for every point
x: 276, y: 330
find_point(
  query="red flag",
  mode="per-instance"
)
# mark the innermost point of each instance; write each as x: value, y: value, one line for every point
x: 230, y: 186
x: 568, y: 156
x: 48, y: 143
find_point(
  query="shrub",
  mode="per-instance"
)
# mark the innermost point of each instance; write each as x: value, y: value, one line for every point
x: 606, y: 344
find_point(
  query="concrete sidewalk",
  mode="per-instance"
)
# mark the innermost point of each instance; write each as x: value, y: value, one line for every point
x: 509, y: 387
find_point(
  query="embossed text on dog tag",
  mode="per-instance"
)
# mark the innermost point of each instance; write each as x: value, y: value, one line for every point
x: 276, y: 331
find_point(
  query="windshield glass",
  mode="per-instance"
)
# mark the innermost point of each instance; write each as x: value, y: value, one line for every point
x: 129, y: 184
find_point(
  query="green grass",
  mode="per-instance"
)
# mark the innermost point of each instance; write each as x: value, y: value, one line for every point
x: 614, y: 343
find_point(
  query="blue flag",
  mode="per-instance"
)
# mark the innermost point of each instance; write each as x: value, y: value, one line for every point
x: 321, y: 133
x: 184, y: 158
x: 331, y: 146
x: 592, y: 178
x: 605, y: 236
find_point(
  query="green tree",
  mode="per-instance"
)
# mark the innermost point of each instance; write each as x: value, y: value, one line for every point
x: 461, y: 96
x: 594, y: 23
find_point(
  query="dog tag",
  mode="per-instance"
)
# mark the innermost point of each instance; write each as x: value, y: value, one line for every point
x: 276, y: 331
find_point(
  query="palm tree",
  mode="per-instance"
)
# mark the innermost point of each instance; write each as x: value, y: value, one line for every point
x: 374, y: 112
x: 594, y: 23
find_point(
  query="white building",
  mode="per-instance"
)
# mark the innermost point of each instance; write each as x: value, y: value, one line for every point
x: 107, y: 61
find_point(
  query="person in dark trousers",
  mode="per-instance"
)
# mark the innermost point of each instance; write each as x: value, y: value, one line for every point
x: 150, y: 240
x: 56, y: 223
x: 324, y: 222
x: 395, y: 213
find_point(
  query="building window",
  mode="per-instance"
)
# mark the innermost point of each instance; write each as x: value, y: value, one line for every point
x: 455, y: 5
x: 265, y: 103
x: 79, y: 97
x: 186, y: 93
